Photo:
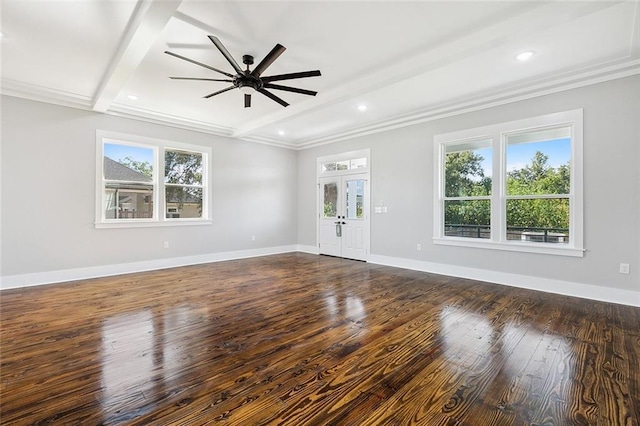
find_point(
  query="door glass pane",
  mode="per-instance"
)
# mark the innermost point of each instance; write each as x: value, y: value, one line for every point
x: 330, y: 197
x: 354, y: 199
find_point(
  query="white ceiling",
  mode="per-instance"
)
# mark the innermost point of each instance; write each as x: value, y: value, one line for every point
x: 407, y: 61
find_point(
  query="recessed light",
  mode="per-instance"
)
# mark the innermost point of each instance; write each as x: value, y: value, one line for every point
x: 132, y: 97
x: 281, y: 132
x: 362, y: 107
x: 524, y: 56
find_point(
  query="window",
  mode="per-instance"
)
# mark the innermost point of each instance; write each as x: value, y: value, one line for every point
x: 149, y: 182
x: 512, y: 186
x: 333, y: 166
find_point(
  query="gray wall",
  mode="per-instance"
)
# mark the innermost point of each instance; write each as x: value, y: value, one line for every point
x: 48, y: 181
x: 402, y: 176
x: 48, y: 185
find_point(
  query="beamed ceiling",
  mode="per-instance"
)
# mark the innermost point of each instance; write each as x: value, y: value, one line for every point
x: 406, y: 61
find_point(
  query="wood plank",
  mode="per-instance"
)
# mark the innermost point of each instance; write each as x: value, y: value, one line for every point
x: 297, y: 339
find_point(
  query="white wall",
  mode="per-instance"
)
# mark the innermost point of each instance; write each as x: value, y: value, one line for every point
x: 48, y: 185
x: 402, y: 176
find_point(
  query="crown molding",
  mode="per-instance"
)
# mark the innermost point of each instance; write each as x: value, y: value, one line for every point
x: 479, y: 101
x: 141, y: 114
x: 488, y: 99
x: 49, y: 95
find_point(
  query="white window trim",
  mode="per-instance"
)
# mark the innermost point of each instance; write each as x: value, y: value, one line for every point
x: 159, y: 215
x: 497, y: 133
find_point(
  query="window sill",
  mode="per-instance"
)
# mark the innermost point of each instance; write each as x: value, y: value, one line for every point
x: 151, y: 224
x: 540, y: 248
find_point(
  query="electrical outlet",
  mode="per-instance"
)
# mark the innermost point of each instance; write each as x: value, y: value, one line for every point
x: 419, y: 247
x: 253, y: 238
x: 166, y: 244
x: 624, y: 268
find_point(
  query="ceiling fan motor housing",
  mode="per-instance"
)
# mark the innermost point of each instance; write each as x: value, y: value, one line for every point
x: 247, y: 80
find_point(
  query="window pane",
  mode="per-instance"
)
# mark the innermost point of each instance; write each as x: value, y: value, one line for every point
x: 354, y: 199
x: 468, y: 218
x: 538, y: 220
x: 182, y: 167
x: 342, y: 165
x: 128, y: 163
x: 468, y: 169
x: 328, y: 167
x: 358, y: 163
x: 128, y: 201
x: 538, y: 162
x: 330, y: 199
x: 183, y: 202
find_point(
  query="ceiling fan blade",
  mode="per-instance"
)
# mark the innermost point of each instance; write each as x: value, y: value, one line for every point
x: 201, y: 79
x: 290, y: 89
x: 274, y: 97
x: 226, y: 54
x: 247, y: 100
x: 199, y: 63
x: 220, y: 91
x: 291, y: 76
x: 268, y: 60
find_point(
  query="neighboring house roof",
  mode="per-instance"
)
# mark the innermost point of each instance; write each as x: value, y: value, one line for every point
x: 116, y: 171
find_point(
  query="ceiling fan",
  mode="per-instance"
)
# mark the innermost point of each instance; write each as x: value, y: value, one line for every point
x: 248, y: 81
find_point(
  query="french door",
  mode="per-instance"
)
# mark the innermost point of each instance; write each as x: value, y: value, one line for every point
x: 344, y: 216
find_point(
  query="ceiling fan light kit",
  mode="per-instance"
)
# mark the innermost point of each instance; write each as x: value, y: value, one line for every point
x: 251, y: 81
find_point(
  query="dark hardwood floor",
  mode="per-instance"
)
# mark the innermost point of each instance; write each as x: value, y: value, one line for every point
x: 299, y: 339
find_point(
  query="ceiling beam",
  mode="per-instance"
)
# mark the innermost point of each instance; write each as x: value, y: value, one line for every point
x: 147, y: 22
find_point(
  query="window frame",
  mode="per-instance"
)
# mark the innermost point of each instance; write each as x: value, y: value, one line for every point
x: 498, y: 134
x: 159, y: 213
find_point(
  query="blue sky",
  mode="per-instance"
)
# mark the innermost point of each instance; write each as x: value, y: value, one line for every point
x: 118, y: 152
x: 520, y: 155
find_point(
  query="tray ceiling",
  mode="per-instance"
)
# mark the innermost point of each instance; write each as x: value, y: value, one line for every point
x: 406, y: 61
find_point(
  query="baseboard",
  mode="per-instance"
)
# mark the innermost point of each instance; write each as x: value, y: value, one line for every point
x: 566, y: 288
x: 307, y: 249
x: 52, y: 277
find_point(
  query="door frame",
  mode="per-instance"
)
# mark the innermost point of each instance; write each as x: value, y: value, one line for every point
x: 365, y: 171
